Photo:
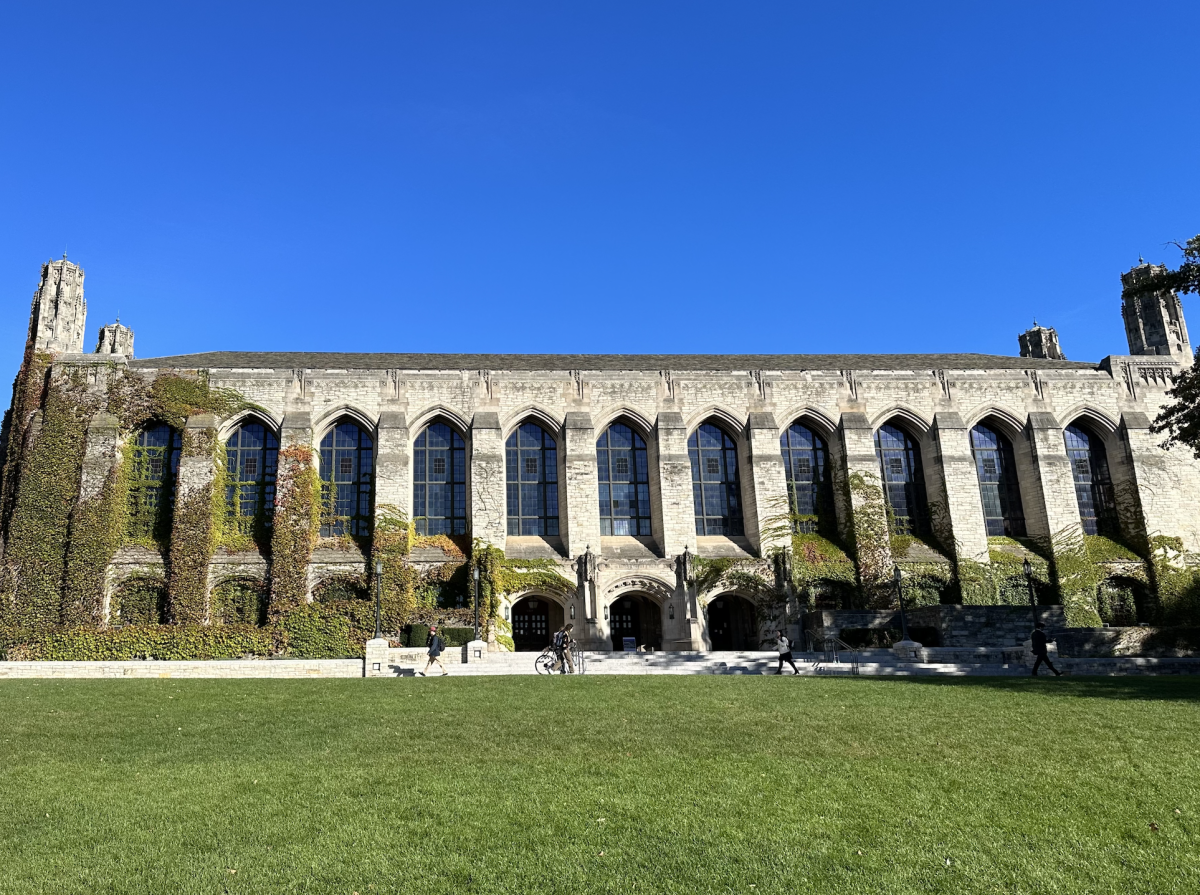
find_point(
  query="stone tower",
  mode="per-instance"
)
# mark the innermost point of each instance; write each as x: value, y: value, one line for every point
x: 57, y: 317
x: 115, y: 339
x: 1041, y: 341
x: 1154, y: 320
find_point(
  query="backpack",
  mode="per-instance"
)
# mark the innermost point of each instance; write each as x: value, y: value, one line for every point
x: 558, y: 639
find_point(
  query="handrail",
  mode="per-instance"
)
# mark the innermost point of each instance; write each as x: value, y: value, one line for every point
x: 833, y: 647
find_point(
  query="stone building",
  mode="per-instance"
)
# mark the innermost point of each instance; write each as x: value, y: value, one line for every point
x: 630, y: 474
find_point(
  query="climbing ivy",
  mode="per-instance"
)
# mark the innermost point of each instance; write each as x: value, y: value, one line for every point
x: 500, y: 576
x: 294, y: 529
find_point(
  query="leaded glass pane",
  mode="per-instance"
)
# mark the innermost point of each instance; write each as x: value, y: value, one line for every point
x: 624, y: 483
x: 251, y: 459
x: 153, y: 468
x: 998, y: 487
x: 347, y: 481
x: 715, y: 484
x: 810, y: 494
x: 903, y: 480
x: 439, y: 481
x: 1093, y: 483
x: 531, y: 463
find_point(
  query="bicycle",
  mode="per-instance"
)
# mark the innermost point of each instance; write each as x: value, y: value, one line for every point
x: 547, y: 662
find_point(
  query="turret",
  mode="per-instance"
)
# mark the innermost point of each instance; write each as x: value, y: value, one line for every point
x: 57, y: 316
x: 1041, y: 341
x: 115, y: 339
x: 1154, y: 320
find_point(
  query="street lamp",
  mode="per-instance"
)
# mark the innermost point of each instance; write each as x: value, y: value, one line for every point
x: 476, y: 574
x: 378, y: 598
x: 896, y: 576
x: 1029, y: 588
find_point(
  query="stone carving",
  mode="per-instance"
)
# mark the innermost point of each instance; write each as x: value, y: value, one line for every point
x: 685, y: 567
x: 115, y: 339
x: 587, y: 566
x: 850, y: 381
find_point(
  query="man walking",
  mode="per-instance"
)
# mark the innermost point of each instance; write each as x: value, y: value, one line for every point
x: 1039, y: 650
x: 435, y: 644
x: 783, y: 646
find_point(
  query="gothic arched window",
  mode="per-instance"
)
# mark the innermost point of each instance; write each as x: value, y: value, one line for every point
x: 805, y: 465
x: 1093, y: 484
x: 155, y: 462
x: 903, y: 480
x: 250, y: 460
x: 531, y: 467
x: 716, y: 491
x: 624, y: 482
x: 998, y: 488
x: 440, y: 482
x: 347, y: 475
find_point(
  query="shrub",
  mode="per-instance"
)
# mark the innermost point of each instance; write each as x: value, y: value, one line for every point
x: 241, y: 601
x: 311, y: 634
x: 417, y: 635
x: 457, y: 636
x: 147, y: 642
x: 141, y: 601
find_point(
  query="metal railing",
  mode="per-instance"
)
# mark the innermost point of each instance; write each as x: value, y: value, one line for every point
x: 833, y: 648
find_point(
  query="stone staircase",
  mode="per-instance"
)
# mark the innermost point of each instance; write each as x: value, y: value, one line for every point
x: 871, y: 662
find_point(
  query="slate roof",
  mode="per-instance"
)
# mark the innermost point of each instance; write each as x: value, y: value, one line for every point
x: 318, y: 360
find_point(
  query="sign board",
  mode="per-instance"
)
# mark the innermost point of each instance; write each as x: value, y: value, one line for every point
x: 630, y: 644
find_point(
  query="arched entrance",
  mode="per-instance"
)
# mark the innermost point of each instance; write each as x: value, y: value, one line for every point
x: 534, y: 620
x: 636, y: 616
x: 732, y: 623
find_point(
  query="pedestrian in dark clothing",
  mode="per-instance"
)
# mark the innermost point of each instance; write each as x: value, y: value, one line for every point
x: 1039, y: 650
x: 783, y: 646
x: 435, y: 644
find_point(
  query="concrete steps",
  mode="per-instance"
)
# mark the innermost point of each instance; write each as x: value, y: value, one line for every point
x: 873, y: 663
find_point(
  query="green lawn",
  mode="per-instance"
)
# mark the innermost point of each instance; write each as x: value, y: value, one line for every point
x: 656, y: 784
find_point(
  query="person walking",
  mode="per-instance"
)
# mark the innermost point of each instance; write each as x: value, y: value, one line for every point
x: 783, y: 646
x: 435, y: 645
x: 1038, y: 640
x: 563, y: 644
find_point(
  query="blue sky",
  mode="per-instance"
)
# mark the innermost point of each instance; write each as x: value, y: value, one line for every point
x: 595, y: 177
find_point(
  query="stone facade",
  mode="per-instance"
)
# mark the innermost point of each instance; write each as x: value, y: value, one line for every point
x: 844, y: 399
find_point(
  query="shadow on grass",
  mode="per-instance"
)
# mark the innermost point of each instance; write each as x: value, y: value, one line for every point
x: 1182, y: 688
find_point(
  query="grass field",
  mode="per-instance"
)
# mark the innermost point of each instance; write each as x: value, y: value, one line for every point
x: 641, y: 784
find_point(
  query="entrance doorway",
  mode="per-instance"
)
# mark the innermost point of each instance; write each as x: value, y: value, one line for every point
x: 534, y: 619
x: 638, y: 617
x: 733, y: 623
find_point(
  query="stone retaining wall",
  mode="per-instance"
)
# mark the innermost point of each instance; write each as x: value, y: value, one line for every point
x: 210, y: 668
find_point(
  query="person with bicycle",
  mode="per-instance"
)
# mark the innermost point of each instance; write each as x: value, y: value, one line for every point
x: 563, y: 644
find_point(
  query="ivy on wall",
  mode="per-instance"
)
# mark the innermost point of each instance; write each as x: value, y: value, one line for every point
x: 295, y: 527
x: 500, y: 576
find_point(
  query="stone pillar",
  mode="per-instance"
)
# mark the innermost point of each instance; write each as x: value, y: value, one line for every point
x: 192, y: 523
x: 675, y: 524
x: 1055, y: 513
x: 85, y: 592
x: 764, y: 486
x: 580, y: 524
x: 866, y: 528
x: 393, y: 467
x: 375, y: 659
x: 1163, y: 503
x: 296, y: 429
x: 489, y: 513
x: 963, y: 526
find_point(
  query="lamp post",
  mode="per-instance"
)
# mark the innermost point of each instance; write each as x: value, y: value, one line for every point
x: 896, y: 576
x: 476, y: 574
x: 1029, y: 589
x: 378, y: 598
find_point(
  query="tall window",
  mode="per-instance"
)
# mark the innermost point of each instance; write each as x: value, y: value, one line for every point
x: 532, y: 473
x: 152, y: 482
x: 250, y: 458
x: 440, y: 482
x: 903, y: 480
x: 1093, y: 484
x: 997, y: 468
x: 716, y: 494
x: 624, y: 482
x: 347, y: 474
x: 809, y: 491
